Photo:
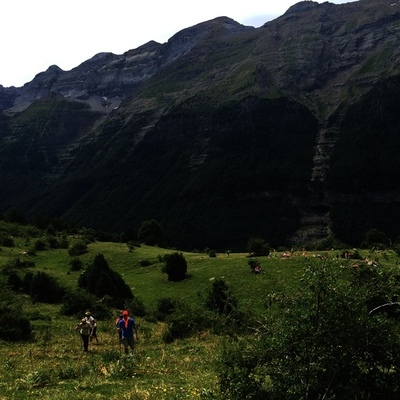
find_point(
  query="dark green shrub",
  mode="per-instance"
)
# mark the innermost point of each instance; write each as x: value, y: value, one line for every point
x: 381, y: 284
x: 137, y: 307
x: 184, y: 322
x: 78, y: 249
x: 129, y: 235
x: 76, y: 264
x: 26, y: 282
x: 51, y: 231
x: 375, y: 238
x: 76, y: 302
x: 87, y: 235
x: 162, y: 258
x: 7, y: 242
x: 329, y: 243
x: 295, y: 354
x: 212, y: 254
x: 100, y: 280
x: 151, y: 233
x: 235, y: 370
x: 145, y: 263
x: 180, y: 325
x: 23, y: 264
x: 356, y: 255
x: 52, y: 241
x: 175, y: 267
x: 220, y: 299
x: 224, y: 316
x: 57, y: 242
x: 14, y: 282
x: 18, y: 265
x: 258, y: 247
x: 40, y: 245
x: 46, y: 289
x: 166, y: 307
x: 38, y: 316
x: 14, y: 325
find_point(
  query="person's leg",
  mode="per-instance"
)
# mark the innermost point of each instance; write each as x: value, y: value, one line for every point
x: 85, y: 339
x: 131, y: 344
x: 125, y: 343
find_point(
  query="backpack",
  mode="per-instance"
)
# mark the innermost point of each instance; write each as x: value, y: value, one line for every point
x: 85, y: 328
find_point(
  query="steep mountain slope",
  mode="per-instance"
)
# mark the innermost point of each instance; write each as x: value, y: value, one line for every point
x: 222, y: 133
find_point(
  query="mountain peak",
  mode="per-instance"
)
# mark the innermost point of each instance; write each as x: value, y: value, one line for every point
x: 303, y: 6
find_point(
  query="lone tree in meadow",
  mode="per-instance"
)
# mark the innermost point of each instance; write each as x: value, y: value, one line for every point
x: 220, y: 299
x: 100, y: 280
x: 175, y: 267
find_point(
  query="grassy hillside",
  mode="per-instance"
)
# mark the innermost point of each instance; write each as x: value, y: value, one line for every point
x: 53, y: 365
x: 150, y: 284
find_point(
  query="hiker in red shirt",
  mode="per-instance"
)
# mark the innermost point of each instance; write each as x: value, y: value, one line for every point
x: 128, y: 328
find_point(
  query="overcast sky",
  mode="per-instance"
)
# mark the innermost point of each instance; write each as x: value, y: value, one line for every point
x: 38, y: 33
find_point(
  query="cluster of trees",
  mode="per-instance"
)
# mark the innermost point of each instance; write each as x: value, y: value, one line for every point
x: 41, y: 286
x: 150, y: 232
x: 363, y: 234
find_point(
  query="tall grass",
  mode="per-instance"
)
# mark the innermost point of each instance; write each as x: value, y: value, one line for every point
x: 54, y: 366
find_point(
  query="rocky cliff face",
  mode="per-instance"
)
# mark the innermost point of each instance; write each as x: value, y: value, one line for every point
x: 106, y: 79
x: 216, y: 97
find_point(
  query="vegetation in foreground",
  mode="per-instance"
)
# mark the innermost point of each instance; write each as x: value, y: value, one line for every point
x: 300, y: 329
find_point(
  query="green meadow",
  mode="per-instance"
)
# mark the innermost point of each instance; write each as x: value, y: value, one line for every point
x: 53, y: 365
